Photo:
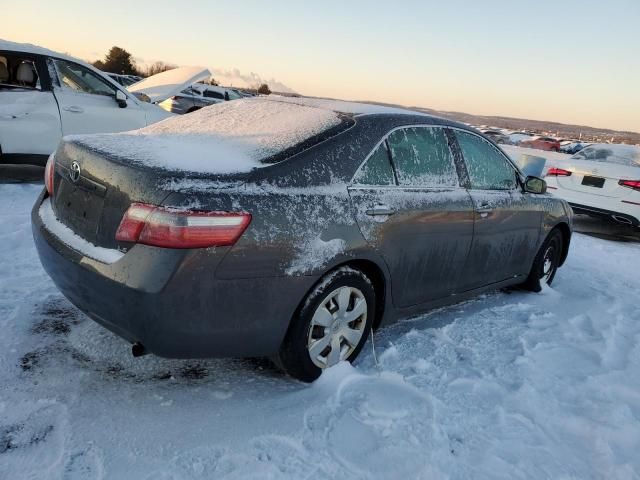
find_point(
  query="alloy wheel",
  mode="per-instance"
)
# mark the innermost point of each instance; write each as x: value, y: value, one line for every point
x: 337, y: 326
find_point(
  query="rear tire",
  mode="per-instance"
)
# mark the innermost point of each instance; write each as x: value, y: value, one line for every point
x: 332, y: 325
x: 546, y: 263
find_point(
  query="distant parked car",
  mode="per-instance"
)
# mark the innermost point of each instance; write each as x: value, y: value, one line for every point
x: 517, y: 137
x: 600, y: 180
x: 496, y: 136
x: 573, y: 147
x: 541, y: 143
x: 288, y: 228
x: 198, y: 96
x: 45, y: 95
x: 124, y: 80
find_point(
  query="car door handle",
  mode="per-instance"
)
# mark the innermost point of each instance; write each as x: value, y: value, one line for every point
x: 379, y: 210
x: 484, y: 209
x: 74, y: 109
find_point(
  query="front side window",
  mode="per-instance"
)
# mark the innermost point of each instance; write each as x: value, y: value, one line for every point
x: 377, y: 169
x: 422, y: 157
x: 488, y: 168
x: 81, y: 79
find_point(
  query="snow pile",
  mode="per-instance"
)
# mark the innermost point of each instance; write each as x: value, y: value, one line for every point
x: 69, y: 237
x: 509, y: 385
x: 227, y: 137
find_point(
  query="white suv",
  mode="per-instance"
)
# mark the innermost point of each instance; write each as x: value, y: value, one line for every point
x: 45, y: 95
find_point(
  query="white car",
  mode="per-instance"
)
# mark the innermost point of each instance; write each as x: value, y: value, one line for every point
x: 601, y: 180
x: 45, y: 95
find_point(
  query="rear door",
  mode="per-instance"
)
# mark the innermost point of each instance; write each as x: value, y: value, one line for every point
x: 411, y: 208
x: 87, y: 102
x: 29, y: 119
x: 506, y: 221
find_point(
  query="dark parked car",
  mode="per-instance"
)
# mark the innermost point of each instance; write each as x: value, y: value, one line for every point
x: 198, y: 96
x: 292, y: 242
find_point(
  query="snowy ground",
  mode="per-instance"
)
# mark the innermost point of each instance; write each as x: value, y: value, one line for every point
x: 506, y: 386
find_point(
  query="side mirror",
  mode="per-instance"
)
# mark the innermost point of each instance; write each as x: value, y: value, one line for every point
x: 535, y: 185
x: 121, y: 99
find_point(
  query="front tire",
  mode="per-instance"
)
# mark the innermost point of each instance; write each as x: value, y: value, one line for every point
x: 546, y: 263
x: 331, y: 326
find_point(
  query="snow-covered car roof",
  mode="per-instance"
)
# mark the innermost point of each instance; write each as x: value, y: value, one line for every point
x: 353, y: 108
x: 36, y: 50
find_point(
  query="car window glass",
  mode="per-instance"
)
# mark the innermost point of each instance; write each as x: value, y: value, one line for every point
x: 81, y: 79
x: 377, y: 169
x: 619, y: 155
x: 19, y: 72
x: 585, y: 154
x: 212, y: 94
x: 422, y: 157
x: 488, y: 169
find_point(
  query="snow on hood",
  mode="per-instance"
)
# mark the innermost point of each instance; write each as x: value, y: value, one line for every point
x: 225, y: 138
x: 163, y: 85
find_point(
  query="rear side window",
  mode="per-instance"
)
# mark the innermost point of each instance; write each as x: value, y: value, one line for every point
x: 377, y: 169
x: 210, y: 94
x: 18, y: 72
x: 422, y: 157
x: 488, y: 169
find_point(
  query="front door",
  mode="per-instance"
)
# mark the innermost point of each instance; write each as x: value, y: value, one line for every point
x: 507, y: 223
x: 410, y: 207
x: 87, y: 102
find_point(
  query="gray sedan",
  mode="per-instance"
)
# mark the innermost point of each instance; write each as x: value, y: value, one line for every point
x: 347, y: 217
x: 198, y: 96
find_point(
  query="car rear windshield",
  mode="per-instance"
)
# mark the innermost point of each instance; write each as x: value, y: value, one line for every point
x: 619, y: 154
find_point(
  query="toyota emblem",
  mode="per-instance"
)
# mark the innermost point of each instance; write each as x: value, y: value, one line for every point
x: 74, y: 173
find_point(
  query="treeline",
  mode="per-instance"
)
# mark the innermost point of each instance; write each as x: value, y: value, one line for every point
x: 119, y: 61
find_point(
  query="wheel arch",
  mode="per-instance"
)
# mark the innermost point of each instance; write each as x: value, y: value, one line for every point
x: 374, y: 272
x: 564, y: 229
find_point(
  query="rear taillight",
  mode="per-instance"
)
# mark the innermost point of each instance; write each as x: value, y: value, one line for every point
x: 635, y: 184
x: 171, y: 228
x: 49, y: 172
x: 558, y: 172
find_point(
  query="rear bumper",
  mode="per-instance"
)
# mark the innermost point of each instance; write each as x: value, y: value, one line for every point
x: 619, y: 217
x: 171, y: 301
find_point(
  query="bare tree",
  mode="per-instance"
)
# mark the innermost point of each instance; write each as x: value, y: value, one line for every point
x: 158, y: 67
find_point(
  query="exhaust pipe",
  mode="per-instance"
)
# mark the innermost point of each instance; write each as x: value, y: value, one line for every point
x: 138, y: 350
x: 623, y: 220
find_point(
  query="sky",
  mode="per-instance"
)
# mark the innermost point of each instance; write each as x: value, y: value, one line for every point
x: 569, y: 61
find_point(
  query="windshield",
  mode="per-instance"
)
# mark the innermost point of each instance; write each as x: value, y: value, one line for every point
x: 627, y: 155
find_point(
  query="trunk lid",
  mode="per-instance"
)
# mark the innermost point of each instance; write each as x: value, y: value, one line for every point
x: 597, y: 173
x: 164, y: 85
x: 93, y: 200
